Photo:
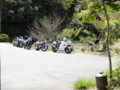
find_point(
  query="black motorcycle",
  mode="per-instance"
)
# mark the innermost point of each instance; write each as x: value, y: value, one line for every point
x: 15, y: 41
x: 28, y: 44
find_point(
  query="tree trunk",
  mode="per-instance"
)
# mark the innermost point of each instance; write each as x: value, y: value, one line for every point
x: 0, y: 14
x: 107, y: 40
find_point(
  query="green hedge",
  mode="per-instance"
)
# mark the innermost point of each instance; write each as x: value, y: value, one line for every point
x: 4, y: 38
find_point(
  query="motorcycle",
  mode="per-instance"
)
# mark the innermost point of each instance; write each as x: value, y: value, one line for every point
x: 18, y: 42
x: 15, y: 41
x: 21, y: 42
x: 28, y: 43
x: 41, y: 45
x: 62, y: 46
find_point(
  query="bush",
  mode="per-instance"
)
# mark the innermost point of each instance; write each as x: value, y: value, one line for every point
x: 84, y: 84
x: 86, y: 39
x: 4, y: 38
x: 70, y: 33
x: 115, y: 81
x: 117, y: 52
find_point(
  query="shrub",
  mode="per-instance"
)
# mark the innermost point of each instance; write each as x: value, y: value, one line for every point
x: 86, y: 39
x: 115, y: 81
x: 4, y: 38
x: 117, y: 51
x: 70, y: 33
x: 84, y: 84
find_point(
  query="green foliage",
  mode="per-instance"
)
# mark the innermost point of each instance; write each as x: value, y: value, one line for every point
x: 19, y: 12
x: 87, y: 15
x: 76, y: 14
x: 66, y: 3
x: 117, y: 51
x: 4, y: 38
x: 115, y: 81
x: 90, y: 13
x: 114, y: 30
x: 113, y: 6
x: 23, y: 12
x: 98, y: 24
x: 84, y: 84
x: 107, y: 73
x: 86, y: 39
x: 94, y: 14
x: 95, y: 6
x: 81, y: 5
x: 70, y: 33
x: 76, y: 20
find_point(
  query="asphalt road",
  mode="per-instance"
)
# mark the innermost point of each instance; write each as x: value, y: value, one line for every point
x: 36, y: 70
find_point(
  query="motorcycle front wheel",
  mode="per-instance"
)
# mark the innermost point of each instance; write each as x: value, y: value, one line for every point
x: 68, y: 49
x: 44, y: 48
x: 14, y: 44
x: 36, y: 48
x: 21, y: 45
x: 54, y: 49
x: 29, y: 47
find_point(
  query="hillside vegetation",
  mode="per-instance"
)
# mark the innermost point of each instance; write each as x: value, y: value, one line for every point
x: 79, y: 20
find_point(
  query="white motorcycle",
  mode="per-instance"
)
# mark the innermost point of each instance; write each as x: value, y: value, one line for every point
x: 62, y: 46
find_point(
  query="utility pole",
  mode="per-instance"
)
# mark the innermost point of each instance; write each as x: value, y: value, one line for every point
x: 0, y: 14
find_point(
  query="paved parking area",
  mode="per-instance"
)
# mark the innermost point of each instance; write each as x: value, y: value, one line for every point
x: 36, y: 70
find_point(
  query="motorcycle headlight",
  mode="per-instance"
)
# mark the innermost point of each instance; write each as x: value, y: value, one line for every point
x: 54, y: 42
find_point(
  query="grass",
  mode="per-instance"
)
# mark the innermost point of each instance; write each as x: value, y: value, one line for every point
x: 78, y: 49
x: 114, y: 48
x: 84, y: 84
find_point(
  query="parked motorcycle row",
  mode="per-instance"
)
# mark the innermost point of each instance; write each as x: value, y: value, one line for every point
x: 23, y: 42
x: 26, y: 43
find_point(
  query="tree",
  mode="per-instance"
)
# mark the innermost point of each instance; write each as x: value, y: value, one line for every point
x: 98, y: 10
x: 107, y: 39
x: 18, y: 14
x: 66, y: 3
x: 46, y: 28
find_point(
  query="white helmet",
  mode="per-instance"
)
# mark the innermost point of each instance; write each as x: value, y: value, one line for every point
x: 65, y: 39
